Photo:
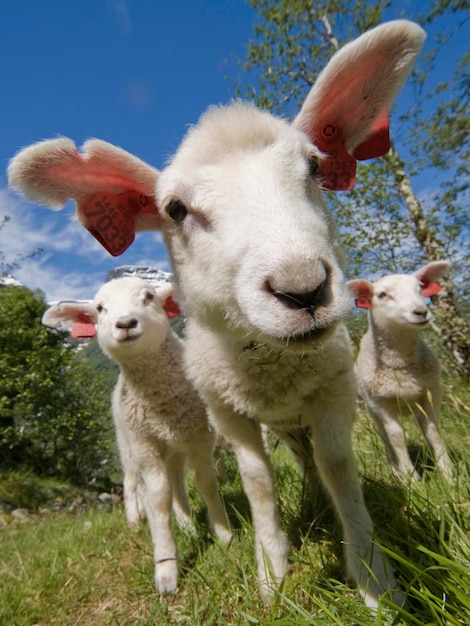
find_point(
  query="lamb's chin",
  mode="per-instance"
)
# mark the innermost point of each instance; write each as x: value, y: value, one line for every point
x: 307, y: 340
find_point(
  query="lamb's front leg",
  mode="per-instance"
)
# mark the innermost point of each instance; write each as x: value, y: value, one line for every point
x: 201, y: 457
x: 180, y: 503
x: 385, y: 416
x: 427, y: 418
x: 337, y: 468
x: 255, y: 469
x: 134, y: 490
x: 158, y: 508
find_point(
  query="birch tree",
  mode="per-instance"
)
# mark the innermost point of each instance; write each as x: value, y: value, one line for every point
x: 386, y: 223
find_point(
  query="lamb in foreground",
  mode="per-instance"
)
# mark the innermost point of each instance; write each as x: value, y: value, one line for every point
x: 398, y: 373
x: 258, y: 270
x: 160, y: 420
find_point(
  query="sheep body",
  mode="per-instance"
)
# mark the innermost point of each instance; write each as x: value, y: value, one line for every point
x: 398, y: 373
x: 258, y: 271
x: 160, y: 419
x: 255, y: 359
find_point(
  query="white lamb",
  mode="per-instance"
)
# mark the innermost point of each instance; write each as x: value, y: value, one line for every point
x: 257, y: 267
x: 160, y: 420
x: 398, y: 374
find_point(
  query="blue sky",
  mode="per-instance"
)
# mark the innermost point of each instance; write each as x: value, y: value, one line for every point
x: 133, y: 72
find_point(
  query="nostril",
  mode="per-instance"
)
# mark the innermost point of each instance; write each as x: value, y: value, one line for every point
x: 127, y: 323
x: 309, y: 300
x: 420, y: 312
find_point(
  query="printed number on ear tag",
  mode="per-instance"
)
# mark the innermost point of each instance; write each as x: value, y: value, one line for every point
x: 110, y: 218
x: 338, y: 170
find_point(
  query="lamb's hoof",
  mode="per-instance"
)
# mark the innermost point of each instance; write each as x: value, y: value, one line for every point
x: 166, y: 576
x: 225, y: 535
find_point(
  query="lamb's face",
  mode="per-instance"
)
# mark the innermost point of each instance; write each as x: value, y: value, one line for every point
x: 252, y: 247
x: 131, y: 319
x: 397, y: 300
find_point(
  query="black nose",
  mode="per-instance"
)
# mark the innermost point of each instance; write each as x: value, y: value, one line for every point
x: 127, y: 323
x: 308, y: 301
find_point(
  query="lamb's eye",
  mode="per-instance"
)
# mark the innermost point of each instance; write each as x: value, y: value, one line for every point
x: 177, y: 211
x: 313, y: 166
x: 99, y: 308
x: 149, y: 296
x: 382, y: 295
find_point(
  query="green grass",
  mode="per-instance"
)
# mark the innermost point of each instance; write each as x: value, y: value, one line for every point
x: 89, y: 568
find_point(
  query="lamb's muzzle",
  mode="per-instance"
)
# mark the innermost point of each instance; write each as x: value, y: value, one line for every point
x: 310, y: 300
x: 127, y: 323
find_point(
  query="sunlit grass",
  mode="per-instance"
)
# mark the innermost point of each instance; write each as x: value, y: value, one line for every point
x: 88, y: 568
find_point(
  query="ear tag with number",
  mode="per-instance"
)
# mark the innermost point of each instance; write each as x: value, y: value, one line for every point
x: 171, y: 308
x: 84, y: 328
x: 430, y: 289
x: 378, y: 143
x: 110, y: 218
x: 338, y: 170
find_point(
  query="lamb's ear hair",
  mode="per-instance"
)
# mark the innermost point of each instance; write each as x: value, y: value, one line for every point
x: 346, y: 112
x: 429, y: 274
x: 362, y: 290
x: 165, y: 294
x: 114, y: 190
x: 78, y: 317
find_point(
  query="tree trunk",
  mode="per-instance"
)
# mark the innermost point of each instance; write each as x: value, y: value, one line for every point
x: 454, y: 328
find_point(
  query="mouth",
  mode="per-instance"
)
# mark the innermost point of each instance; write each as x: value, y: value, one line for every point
x: 127, y: 338
x: 312, y: 336
x: 307, y: 340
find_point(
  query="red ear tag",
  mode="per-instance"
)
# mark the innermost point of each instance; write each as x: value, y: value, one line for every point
x: 431, y: 289
x: 378, y: 143
x: 338, y: 171
x: 362, y: 302
x: 110, y: 218
x: 171, y: 308
x: 84, y: 328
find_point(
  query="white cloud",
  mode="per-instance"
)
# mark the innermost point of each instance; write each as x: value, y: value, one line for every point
x: 56, y: 284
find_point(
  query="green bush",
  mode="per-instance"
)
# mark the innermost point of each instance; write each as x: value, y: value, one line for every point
x: 54, y: 408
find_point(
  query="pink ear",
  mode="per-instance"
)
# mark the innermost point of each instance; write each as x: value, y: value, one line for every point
x: 345, y: 113
x: 171, y: 307
x: 362, y: 292
x: 83, y: 328
x: 113, y: 189
x: 429, y: 274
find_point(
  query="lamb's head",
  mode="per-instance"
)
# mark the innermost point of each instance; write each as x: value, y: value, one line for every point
x: 398, y: 300
x: 129, y: 314
x: 252, y: 246
x: 130, y: 317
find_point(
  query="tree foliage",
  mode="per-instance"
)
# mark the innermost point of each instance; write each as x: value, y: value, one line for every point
x: 54, y: 409
x: 386, y: 224
x: 8, y: 267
